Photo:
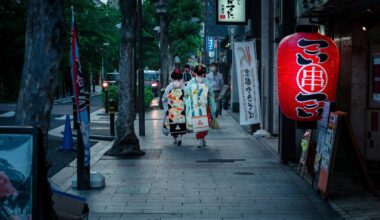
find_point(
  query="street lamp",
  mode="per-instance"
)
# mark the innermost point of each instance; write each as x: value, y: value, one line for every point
x: 161, y: 9
x: 105, y: 44
x: 161, y: 6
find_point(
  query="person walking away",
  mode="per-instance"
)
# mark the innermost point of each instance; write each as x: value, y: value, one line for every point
x: 200, y: 105
x: 186, y: 74
x: 217, y: 83
x: 174, y: 105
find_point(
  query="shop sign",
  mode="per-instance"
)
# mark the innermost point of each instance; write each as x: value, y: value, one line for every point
x: 231, y: 12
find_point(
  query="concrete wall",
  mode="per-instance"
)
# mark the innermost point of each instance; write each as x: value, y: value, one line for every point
x: 265, y: 62
x: 343, y: 39
x: 359, y: 83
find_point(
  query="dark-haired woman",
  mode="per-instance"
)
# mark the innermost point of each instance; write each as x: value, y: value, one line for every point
x: 174, y: 105
x: 200, y: 105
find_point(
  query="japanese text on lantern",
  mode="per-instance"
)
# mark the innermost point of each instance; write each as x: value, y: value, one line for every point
x: 312, y: 78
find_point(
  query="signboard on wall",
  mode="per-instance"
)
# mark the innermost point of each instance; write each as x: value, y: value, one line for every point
x: 231, y: 12
x: 210, y: 43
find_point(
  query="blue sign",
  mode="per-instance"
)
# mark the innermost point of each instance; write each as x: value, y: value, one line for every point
x: 210, y: 43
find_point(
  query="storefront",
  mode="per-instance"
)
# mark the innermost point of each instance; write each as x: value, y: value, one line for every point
x: 355, y: 28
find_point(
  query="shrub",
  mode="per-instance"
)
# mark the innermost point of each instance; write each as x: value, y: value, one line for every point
x: 148, y: 98
x: 113, y: 94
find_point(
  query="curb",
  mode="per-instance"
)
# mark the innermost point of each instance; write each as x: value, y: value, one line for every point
x: 98, y: 137
x: 63, y: 177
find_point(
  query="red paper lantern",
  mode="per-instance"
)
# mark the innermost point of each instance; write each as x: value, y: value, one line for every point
x: 308, y: 70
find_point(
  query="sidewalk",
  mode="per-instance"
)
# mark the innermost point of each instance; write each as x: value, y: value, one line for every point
x: 350, y: 200
x: 234, y: 177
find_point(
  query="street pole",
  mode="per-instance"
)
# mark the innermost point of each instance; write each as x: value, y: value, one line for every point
x: 164, y: 48
x: 106, y: 100
x: 141, y: 73
x: 161, y: 10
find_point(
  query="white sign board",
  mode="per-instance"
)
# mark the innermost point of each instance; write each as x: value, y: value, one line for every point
x: 231, y: 12
x: 248, y: 83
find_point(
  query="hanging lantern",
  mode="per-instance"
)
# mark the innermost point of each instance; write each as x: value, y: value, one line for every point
x: 308, y: 70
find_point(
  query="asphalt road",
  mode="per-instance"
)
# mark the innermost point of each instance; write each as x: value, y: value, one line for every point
x: 60, y: 108
x: 58, y: 159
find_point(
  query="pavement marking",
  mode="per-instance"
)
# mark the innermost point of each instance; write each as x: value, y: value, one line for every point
x: 8, y: 114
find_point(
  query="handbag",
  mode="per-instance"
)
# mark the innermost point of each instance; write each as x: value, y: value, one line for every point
x: 165, y: 125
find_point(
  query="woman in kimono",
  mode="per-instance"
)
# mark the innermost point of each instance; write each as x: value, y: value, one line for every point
x: 174, y: 105
x: 200, y: 105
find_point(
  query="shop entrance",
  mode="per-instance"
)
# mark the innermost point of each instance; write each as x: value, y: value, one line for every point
x: 373, y: 113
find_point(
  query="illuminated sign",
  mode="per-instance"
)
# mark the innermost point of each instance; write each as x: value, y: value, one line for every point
x: 231, y: 12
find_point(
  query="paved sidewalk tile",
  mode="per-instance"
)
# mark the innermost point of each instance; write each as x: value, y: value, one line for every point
x: 234, y: 177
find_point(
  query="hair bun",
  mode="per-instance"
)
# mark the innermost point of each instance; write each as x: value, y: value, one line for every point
x: 177, y: 71
x: 200, y: 69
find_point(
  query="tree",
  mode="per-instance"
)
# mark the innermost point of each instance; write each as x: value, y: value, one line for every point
x: 126, y: 142
x: 98, y: 35
x: 97, y: 24
x: 44, y: 42
x: 12, y: 38
x: 183, y: 33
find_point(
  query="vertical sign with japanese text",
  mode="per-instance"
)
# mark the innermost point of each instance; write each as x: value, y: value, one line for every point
x: 248, y: 84
x: 231, y: 12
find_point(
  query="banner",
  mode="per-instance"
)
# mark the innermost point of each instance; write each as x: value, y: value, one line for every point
x: 79, y: 93
x: 248, y: 83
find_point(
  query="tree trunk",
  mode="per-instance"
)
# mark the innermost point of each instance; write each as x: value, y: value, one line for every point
x: 126, y: 142
x: 44, y: 43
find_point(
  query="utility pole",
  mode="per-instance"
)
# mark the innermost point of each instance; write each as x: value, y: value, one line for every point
x: 161, y: 10
x: 141, y: 73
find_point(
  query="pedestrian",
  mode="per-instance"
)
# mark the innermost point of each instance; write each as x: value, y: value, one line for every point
x: 200, y: 105
x: 174, y: 105
x: 217, y: 83
x: 187, y: 74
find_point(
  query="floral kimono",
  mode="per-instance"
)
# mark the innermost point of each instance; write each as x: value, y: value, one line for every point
x: 174, y: 104
x: 200, y: 107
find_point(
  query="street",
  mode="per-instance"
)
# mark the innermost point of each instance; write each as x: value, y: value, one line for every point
x: 233, y: 177
x: 57, y: 159
x: 213, y: 110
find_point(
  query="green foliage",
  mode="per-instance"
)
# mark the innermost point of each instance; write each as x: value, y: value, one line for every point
x: 148, y: 98
x: 96, y: 25
x: 12, y: 39
x: 98, y: 36
x: 113, y: 95
x: 151, y: 50
x: 184, y: 38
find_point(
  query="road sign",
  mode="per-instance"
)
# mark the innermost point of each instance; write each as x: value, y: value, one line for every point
x: 210, y: 43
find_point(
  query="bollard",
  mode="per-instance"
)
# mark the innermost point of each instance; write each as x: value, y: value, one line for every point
x: 106, y: 101
x: 112, y: 117
x: 57, y: 92
x: 88, y: 105
x: 75, y: 113
x: 63, y: 91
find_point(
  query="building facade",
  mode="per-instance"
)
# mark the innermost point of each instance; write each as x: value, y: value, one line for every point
x: 354, y: 25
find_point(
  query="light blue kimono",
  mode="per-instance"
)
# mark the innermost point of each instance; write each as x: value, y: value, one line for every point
x: 190, y: 104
